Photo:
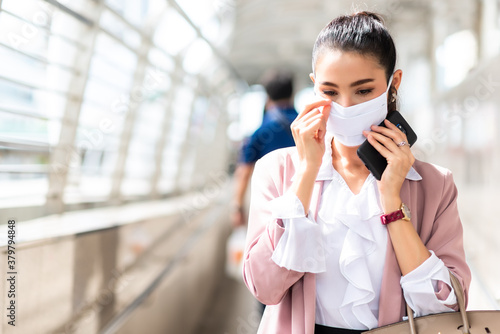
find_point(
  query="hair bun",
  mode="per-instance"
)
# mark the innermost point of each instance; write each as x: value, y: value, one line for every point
x: 362, y: 32
x: 371, y: 15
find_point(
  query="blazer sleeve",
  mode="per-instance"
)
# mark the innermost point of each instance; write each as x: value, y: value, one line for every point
x: 267, y: 281
x: 446, y: 239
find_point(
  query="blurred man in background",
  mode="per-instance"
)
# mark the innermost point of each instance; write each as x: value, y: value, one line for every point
x: 274, y: 133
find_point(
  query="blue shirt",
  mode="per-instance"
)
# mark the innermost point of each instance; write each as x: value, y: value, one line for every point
x: 274, y: 133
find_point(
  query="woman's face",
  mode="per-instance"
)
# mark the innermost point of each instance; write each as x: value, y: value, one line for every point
x: 348, y: 78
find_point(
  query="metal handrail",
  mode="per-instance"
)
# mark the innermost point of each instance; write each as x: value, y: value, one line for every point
x: 118, y: 320
x: 22, y: 169
x: 25, y: 145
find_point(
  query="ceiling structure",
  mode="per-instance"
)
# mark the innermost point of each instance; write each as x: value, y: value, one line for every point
x: 281, y: 33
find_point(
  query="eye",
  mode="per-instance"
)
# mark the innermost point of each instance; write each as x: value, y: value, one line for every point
x: 364, y: 91
x: 329, y: 92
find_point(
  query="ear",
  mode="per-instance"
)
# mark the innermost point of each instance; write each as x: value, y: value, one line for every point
x: 311, y: 75
x: 396, y: 79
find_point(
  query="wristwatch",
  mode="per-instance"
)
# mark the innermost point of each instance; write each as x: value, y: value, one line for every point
x: 403, y: 213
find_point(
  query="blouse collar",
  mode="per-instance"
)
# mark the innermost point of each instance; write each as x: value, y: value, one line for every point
x: 326, y: 170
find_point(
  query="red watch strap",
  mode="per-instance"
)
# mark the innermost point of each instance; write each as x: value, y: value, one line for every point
x: 391, y: 217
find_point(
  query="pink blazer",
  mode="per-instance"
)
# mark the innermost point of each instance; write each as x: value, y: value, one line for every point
x: 291, y: 295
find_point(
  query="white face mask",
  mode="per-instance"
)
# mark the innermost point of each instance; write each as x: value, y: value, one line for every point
x: 348, y: 123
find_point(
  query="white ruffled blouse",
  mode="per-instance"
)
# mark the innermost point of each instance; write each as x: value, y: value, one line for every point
x: 346, y: 248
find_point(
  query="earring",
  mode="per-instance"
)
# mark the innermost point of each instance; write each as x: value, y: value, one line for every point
x: 393, y: 98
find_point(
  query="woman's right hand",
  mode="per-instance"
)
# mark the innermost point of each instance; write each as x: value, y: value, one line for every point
x: 308, y: 130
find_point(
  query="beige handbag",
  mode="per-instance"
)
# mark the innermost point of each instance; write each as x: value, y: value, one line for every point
x: 471, y: 322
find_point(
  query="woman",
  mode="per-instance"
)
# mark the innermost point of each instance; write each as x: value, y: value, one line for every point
x: 317, y: 251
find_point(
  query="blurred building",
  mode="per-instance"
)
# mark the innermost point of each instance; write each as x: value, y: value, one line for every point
x: 119, y: 127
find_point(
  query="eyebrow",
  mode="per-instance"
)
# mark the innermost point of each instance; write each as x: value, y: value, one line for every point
x: 356, y: 83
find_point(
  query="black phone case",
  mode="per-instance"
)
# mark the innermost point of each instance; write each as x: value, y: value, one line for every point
x: 372, y: 159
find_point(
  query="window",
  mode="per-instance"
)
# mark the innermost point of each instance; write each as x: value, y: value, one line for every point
x: 34, y: 91
x: 456, y: 56
x: 173, y: 33
x: 177, y: 132
x: 124, y: 89
x: 197, y: 57
x: 197, y: 141
x: 148, y: 127
x: 106, y: 102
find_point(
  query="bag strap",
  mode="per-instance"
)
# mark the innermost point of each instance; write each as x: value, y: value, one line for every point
x: 457, y: 287
x: 455, y: 283
x: 411, y: 320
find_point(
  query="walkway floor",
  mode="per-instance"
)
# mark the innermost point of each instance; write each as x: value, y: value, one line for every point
x: 235, y: 310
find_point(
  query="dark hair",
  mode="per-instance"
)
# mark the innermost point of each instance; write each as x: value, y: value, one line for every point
x: 363, y: 33
x: 278, y: 84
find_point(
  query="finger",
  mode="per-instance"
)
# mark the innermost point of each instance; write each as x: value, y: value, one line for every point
x: 326, y: 112
x: 378, y: 146
x: 311, y: 130
x: 404, y: 138
x: 313, y: 113
x: 298, y: 123
x: 308, y: 121
x: 392, y: 132
x: 312, y: 127
x: 305, y: 126
x: 398, y: 156
x: 321, y: 132
x: 388, y: 149
x: 387, y: 142
x: 313, y: 105
x: 397, y: 130
x: 391, y: 125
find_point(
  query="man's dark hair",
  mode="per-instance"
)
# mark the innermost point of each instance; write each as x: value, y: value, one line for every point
x: 278, y: 84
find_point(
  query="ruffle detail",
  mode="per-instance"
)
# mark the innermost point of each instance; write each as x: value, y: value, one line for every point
x: 363, y: 206
x: 287, y: 206
x: 357, y: 213
x: 309, y: 258
x: 358, y: 244
x: 301, y: 247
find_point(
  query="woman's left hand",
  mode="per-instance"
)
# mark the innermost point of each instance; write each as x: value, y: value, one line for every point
x: 399, y: 161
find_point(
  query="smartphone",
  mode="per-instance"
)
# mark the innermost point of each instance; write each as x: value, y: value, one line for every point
x: 372, y: 159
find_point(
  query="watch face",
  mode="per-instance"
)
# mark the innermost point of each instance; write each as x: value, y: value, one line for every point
x: 406, y: 211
